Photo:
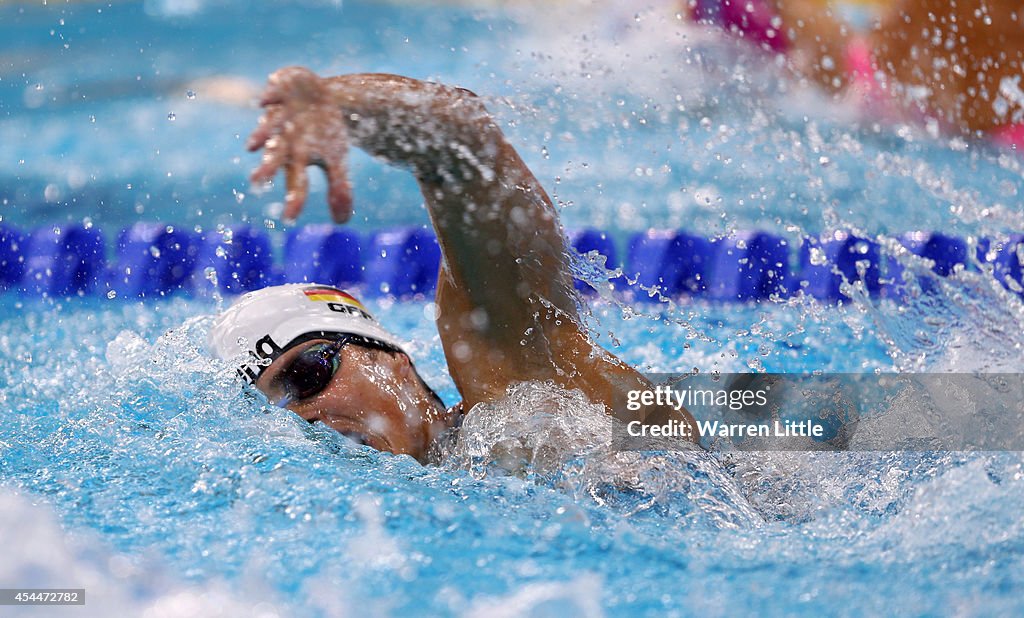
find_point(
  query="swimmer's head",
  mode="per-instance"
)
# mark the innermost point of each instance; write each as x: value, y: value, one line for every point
x: 317, y: 351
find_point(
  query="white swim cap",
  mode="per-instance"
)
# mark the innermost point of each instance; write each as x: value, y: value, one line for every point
x: 268, y: 322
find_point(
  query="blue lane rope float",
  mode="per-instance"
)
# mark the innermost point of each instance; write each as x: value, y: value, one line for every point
x: 153, y: 260
x: 235, y: 259
x: 826, y: 262
x: 318, y: 253
x: 12, y: 263
x: 675, y: 262
x: 1008, y: 260
x: 749, y: 266
x: 402, y: 262
x: 63, y: 261
x: 945, y: 251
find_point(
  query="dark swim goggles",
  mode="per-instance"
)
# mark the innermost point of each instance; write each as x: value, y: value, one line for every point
x: 312, y: 371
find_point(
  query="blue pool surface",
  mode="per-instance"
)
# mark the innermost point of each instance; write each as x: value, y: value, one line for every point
x: 133, y: 465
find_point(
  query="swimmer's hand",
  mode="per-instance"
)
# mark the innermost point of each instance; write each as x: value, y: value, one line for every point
x: 302, y: 126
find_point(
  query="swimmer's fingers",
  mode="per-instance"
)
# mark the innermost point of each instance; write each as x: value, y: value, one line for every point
x: 259, y: 136
x: 273, y: 158
x: 339, y: 189
x: 296, y: 188
x: 270, y: 124
x: 326, y: 142
x: 272, y: 135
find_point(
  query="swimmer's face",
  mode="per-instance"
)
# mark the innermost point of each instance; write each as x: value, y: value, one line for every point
x: 374, y: 397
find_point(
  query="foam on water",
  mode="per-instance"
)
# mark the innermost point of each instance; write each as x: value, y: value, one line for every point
x: 133, y: 435
x: 557, y: 437
x: 115, y: 583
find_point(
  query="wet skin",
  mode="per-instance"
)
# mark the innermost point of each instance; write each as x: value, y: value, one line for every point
x: 507, y: 310
x: 375, y: 398
x: 941, y: 59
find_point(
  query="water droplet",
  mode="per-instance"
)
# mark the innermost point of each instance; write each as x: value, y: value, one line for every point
x: 190, y: 94
x: 111, y: 294
x: 51, y: 193
x: 818, y: 257
x: 172, y: 116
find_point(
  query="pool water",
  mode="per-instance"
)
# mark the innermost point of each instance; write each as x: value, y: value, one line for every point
x: 133, y: 465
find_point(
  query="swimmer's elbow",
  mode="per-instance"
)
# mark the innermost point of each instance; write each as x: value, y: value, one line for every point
x: 466, y: 111
x: 470, y: 106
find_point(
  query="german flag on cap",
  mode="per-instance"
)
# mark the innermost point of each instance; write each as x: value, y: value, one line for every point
x: 332, y: 295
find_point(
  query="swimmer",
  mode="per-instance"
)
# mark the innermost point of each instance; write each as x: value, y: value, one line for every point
x: 506, y: 308
x: 955, y: 63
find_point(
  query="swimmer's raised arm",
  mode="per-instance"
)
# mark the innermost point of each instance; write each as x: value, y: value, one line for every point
x: 493, y: 219
x: 507, y: 309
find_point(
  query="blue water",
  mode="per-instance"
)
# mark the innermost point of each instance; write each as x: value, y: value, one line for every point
x: 162, y: 484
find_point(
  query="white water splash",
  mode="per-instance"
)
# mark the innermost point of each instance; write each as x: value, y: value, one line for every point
x: 40, y: 554
x: 580, y: 596
x: 558, y: 437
